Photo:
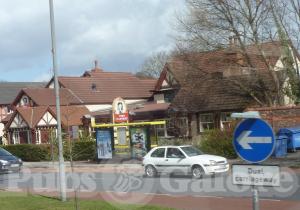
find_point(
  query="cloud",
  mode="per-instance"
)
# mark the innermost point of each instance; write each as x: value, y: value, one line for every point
x: 120, y: 33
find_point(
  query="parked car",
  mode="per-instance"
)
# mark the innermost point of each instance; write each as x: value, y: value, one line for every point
x: 9, y: 162
x: 186, y: 159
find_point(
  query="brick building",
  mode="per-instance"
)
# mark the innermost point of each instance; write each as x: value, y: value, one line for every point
x: 203, y: 88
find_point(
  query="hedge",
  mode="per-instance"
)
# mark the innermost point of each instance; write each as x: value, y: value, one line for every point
x: 81, y: 150
x: 30, y: 152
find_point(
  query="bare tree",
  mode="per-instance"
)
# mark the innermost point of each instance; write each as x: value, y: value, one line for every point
x: 153, y: 65
x: 208, y: 24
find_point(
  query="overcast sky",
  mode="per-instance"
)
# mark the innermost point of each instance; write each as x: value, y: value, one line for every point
x: 120, y: 34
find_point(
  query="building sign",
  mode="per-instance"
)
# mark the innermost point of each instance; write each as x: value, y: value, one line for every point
x: 256, y: 175
x: 120, y: 112
x: 103, y: 141
x: 139, y: 140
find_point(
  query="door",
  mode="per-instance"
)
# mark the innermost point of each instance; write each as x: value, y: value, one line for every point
x: 158, y: 158
x: 176, y: 161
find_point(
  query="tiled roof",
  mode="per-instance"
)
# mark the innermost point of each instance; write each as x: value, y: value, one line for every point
x: 70, y: 115
x: 46, y: 97
x: 221, y: 60
x: 203, y: 84
x: 106, y: 86
x: 32, y: 115
x: 151, y: 107
x: 9, y: 90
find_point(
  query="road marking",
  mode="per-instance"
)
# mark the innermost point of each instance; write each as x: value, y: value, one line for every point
x: 207, y: 196
x: 266, y: 199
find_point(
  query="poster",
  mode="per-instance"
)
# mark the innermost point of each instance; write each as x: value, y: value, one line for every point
x: 103, y: 141
x: 122, y: 135
x: 139, y: 141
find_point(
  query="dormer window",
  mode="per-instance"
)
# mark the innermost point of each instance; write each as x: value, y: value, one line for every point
x: 24, y: 101
x: 94, y: 87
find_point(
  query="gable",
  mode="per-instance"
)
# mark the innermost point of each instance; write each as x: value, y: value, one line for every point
x: 47, y: 120
x: 170, y: 80
x: 166, y: 79
x: 18, y: 122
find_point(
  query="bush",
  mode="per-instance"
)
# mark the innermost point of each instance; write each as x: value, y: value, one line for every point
x: 217, y: 142
x: 30, y: 152
x: 81, y: 150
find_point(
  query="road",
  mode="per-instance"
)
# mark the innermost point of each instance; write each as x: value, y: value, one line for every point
x: 133, y: 187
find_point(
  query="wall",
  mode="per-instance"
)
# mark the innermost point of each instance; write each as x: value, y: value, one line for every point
x: 280, y: 117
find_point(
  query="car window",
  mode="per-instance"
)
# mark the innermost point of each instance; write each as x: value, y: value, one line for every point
x: 3, y: 152
x: 191, y: 151
x: 174, y: 153
x: 159, y: 153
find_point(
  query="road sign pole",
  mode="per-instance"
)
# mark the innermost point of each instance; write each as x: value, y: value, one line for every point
x: 255, y: 199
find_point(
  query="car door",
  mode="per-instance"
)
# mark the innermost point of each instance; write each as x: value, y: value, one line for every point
x: 175, y: 160
x: 158, y: 158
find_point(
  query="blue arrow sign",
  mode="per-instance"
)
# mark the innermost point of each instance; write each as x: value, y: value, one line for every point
x: 254, y: 140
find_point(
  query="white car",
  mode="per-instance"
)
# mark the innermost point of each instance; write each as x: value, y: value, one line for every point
x: 186, y: 159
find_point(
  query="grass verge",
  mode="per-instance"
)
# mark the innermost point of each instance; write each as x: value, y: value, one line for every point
x: 23, y: 201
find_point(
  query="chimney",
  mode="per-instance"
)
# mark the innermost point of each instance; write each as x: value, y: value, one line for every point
x: 233, y: 41
x: 96, y: 68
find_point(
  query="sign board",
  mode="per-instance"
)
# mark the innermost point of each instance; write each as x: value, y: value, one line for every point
x: 120, y: 112
x: 254, y: 140
x: 256, y: 175
x: 139, y: 140
x: 103, y: 141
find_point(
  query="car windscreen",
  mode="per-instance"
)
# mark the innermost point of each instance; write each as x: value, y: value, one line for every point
x: 3, y: 152
x: 191, y: 151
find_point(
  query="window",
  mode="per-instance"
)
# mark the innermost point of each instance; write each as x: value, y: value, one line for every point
x: 159, y: 153
x: 225, y: 120
x: 174, y: 153
x: 161, y: 130
x: 16, y: 137
x: 177, y: 126
x: 206, y: 122
x: 191, y: 151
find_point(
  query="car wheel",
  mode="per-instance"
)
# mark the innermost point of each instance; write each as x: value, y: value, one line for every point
x: 150, y: 171
x: 197, y: 172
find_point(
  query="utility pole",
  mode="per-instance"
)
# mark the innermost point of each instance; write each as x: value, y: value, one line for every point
x: 62, y: 175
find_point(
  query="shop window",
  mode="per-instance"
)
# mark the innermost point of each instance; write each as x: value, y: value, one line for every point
x: 161, y: 130
x: 177, y: 126
x: 225, y: 120
x: 206, y: 122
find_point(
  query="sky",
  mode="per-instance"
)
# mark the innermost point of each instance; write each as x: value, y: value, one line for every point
x: 120, y: 34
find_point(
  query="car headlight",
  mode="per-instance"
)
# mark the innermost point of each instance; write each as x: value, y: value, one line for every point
x: 4, y: 162
x: 212, y: 162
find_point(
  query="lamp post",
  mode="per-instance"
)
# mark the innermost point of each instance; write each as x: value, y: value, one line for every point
x: 62, y: 175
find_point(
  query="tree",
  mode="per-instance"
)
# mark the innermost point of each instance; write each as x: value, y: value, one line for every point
x: 207, y: 24
x: 153, y: 65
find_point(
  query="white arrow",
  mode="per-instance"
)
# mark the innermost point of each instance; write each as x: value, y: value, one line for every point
x: 244, y: 140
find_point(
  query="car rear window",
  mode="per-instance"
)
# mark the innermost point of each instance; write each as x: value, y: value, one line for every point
x: 159, y: 153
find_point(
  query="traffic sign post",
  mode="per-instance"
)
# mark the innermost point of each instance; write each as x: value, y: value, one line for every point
x: 254, y: 142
